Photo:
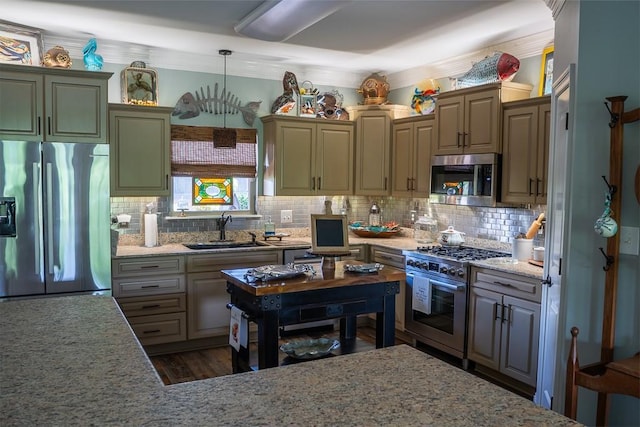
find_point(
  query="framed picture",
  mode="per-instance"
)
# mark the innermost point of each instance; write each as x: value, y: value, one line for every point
x: 546, y: 71
x: 20, y: 45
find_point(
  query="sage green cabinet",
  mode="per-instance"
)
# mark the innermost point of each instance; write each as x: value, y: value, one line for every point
x: 525, y: 152
x: 411, y: 148
x: 468, y: 121
x: 140, y: 154
x: 54, y: 105
x: 307, y: 157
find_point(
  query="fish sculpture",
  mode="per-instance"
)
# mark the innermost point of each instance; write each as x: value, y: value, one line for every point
x: 190, y: 105
x: 285, y: 102
x: 498, y: 67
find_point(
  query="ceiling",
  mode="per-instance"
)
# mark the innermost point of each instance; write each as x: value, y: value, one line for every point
x: 406, y: 40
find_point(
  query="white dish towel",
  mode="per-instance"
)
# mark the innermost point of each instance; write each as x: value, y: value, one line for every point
x: 421, y: 297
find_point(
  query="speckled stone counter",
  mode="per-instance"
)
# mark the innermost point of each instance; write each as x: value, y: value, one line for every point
x: 71, y: 361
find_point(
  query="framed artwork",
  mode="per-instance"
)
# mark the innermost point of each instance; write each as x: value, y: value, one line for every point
x: 20, y: 45
x: 546, y: 71
x: 212, y: 191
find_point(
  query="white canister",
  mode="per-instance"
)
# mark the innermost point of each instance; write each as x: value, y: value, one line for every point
x: 522, y: 249
x: 538, y: 253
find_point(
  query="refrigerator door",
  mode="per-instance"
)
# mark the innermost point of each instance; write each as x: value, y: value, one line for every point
x: 21, y: 255
x: 76, y: 212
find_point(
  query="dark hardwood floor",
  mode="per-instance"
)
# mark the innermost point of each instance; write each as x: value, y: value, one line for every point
x: 215, y: 362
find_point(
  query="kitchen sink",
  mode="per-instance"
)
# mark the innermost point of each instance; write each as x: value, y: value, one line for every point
x: 223, y: 244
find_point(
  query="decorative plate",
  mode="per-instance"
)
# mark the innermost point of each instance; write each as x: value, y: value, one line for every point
x: 311, y: 348
x: 363, y: 268
x: 277, y: 272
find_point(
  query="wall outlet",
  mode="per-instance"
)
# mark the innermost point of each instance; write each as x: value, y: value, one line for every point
x: 286, y: 216
x: 629, y: 239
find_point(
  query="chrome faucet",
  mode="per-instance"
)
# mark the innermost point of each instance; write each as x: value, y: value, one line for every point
x: 222, y: 223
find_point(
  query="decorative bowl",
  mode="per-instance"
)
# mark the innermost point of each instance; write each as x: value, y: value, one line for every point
x: 310, y: 348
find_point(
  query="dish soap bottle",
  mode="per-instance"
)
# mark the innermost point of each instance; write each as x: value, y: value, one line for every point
x: 269, y: 228
x: 375, y: 217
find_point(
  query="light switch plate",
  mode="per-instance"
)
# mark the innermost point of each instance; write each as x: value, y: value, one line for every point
x: 629, y: 240
x: 286, y: 216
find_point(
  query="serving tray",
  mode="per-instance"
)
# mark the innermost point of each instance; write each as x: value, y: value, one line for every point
x: 363, y: 268
x: 277, y: 272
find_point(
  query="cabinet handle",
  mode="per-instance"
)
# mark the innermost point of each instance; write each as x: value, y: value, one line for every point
x: 530, y: 185
x: 408, y: 185
x: 150, y: 266
x: 413, y: 184
x: 464, y: 137
x: 39, y: 125
x: 496, y: 315
x: 149, y: 286
x: 150, y: 306
x: 319, y: 183
x: 152, y: 331
x: 313, y: 183
x: 458, y: 139
x: 48, y: 125
x: 502, y: 314
x: 166, y: 182
x: 495, y: 282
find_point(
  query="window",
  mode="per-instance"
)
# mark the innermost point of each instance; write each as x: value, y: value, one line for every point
x: 209, y: 179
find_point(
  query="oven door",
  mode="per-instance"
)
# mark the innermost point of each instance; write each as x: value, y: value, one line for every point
x: 436, y: 312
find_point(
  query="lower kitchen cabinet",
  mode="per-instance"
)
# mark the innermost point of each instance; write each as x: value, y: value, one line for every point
x: 392, y: 258
x: 207, y: 296
x: 504, y: 323
x: 151, y: 293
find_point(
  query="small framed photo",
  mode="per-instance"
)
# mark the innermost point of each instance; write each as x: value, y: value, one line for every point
x: 546, y: 71
x: 20, y: 45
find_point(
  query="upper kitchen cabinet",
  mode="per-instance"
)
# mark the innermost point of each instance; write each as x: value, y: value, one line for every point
x: 307, y: 157
x: 525, y: 150
x: 140, y: 155
x: 411, y: 153
x: 53, y: 104
x: 373, y: 147
x: 468, y: 121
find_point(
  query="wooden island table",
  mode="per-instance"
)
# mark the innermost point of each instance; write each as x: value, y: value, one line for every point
x: 329, y: 294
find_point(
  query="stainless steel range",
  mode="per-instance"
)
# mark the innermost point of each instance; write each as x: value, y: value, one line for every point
x: 437, y: 295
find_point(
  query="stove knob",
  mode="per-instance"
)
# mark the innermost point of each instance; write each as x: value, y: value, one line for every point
x: 411, y: 262
x: 461, y: 272
x: 443, y: 270
x: 424, y: 265
x: 452, y: 271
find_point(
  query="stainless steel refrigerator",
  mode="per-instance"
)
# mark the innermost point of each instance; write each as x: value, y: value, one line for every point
x: 54, y: 218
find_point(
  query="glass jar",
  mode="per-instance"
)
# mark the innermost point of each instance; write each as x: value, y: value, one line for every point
x: 425, y: 230
x: 375, y: 218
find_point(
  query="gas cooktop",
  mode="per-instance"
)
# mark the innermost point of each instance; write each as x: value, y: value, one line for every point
x: 460, y: 253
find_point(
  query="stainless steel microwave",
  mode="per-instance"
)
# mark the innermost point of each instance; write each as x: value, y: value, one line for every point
x: 469, y: 180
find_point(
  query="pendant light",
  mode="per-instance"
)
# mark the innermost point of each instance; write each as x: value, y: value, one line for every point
x: 223, y: 137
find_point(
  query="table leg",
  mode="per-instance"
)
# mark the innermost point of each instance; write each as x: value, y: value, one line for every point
x: 268, y: 340
x: 386, y: 323
x: 348, y: 327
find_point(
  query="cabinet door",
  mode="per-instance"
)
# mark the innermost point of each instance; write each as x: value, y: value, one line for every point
x: 21, y: 118
x: 140, y: 151
x: 520, y: 333
x: 424, y: 140
x: 207, y: 299
x: 485, y: 314
x: 542, y: 167
x: 373, y: 150
x: 449, y: 125
x: 76, y: 109
x: 519, y: 153
x: 296, y: 159
x: 334, y: 159
x: 481, y: 122
x: 403, y: 160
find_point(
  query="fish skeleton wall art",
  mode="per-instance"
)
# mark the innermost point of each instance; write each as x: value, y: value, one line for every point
x: 190, y: 105
x: 498, y: 67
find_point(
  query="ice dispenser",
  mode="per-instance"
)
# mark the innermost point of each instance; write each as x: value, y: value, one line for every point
x: 7, y: 217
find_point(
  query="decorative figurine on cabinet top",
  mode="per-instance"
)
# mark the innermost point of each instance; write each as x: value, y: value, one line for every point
x: 92, y: 61
x: 499, y: 67
x: 374, y: 89
x: 423, y: 100
x: 330, y: 106
x: 139, y: 84
x: 286, y: 102
x: 57, y: 57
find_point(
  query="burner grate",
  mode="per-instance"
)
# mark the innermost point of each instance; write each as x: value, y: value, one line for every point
x: 460, y: 253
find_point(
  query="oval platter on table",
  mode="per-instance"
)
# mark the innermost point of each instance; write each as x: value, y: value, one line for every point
x: 310, y: 348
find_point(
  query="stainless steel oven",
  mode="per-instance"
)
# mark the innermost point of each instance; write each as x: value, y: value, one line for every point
x: 437, y: 296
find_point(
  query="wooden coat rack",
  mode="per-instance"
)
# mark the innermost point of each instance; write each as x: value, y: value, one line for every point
x: 607, y: 376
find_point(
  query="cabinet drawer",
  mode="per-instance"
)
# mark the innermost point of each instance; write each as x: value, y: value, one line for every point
x: 358, y: 253
x: 387, y: 257
x: 507, y: 284
x: 132, y: 287
x: 147, y: 266
x: 231, y: 260
x: 160, y: 328
x: 142, y: 306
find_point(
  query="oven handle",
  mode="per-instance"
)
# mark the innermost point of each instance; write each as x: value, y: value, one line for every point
x: 441, y: 284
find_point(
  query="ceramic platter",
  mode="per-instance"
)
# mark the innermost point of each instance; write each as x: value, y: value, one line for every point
x: 310, y: 348
x: 277, y: 272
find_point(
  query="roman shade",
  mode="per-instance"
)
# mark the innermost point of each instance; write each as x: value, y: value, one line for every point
x: 193, y: 153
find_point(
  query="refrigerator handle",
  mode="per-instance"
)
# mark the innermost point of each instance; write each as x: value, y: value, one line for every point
x: 35, y: 171
x: 49, y: 219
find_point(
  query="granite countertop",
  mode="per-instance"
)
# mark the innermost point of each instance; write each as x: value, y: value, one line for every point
x: 73, y: 360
